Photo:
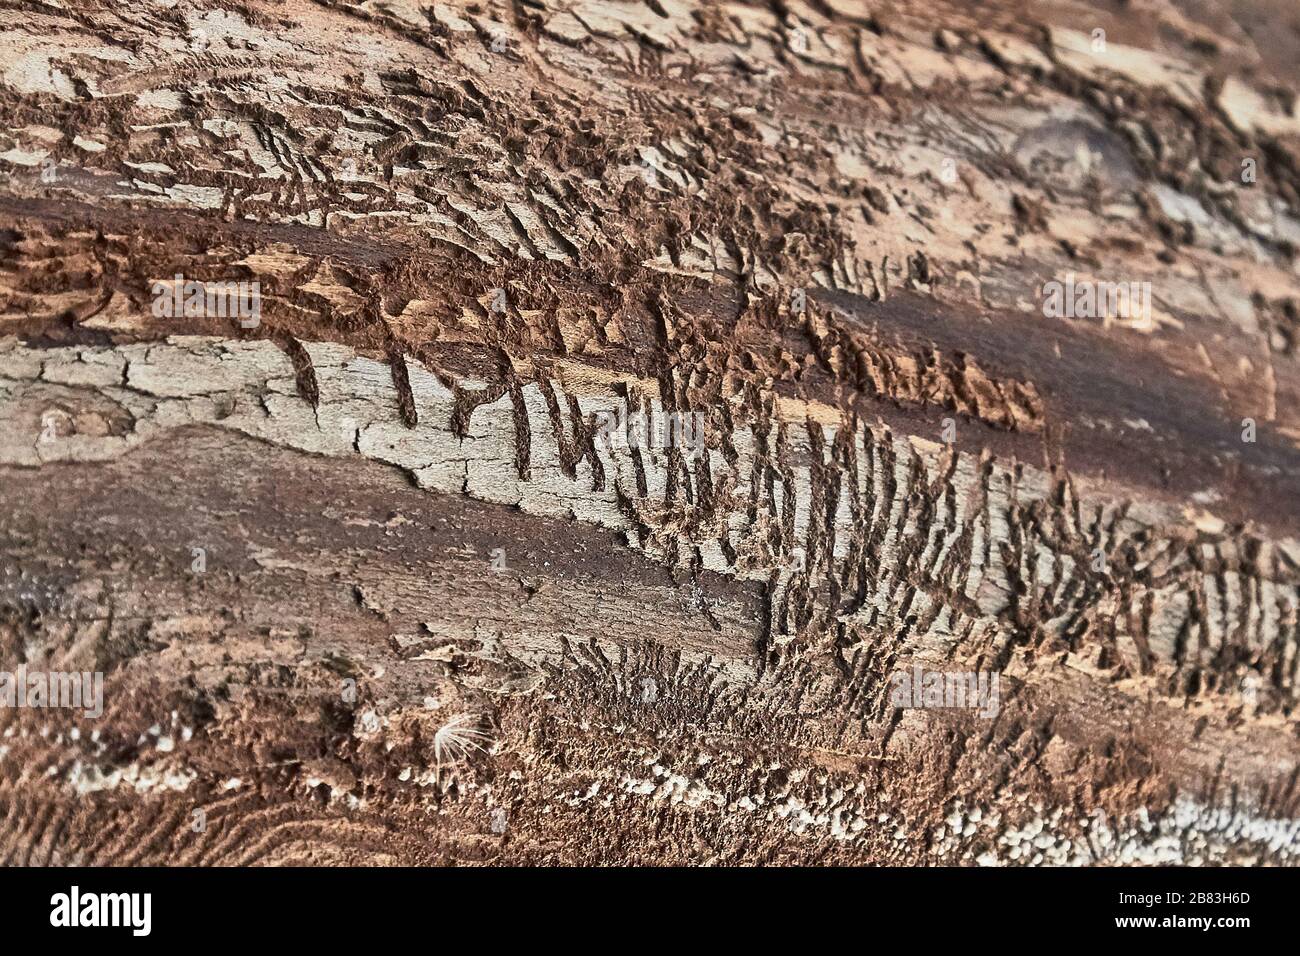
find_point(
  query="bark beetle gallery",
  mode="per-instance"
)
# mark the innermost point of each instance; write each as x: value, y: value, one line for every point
x: 562, y: 431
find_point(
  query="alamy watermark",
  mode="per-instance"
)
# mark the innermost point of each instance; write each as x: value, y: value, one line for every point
x: 78, y: 690
x: 222, y: 300
x: 926, y: 689
x: 659, y: 430
x: 1086, y: 299
x: 75, y: 908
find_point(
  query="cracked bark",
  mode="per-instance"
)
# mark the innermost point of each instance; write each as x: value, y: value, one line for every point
x: 474, y: 226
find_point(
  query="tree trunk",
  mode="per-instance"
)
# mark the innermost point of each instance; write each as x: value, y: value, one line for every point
x: 644, y: 432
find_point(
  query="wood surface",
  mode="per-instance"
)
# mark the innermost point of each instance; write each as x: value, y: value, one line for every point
x: 367, y: 585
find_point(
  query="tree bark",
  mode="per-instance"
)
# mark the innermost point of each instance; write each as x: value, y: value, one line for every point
x: 371, y: 578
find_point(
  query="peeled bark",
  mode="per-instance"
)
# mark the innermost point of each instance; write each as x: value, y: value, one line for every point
x: 369, y: 580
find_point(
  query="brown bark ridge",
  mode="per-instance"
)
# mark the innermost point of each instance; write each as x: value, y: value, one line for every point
x: 368, y: 581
